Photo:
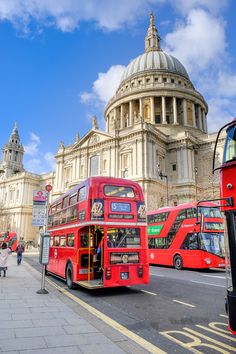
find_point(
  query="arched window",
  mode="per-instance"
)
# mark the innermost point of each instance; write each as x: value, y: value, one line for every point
x: 94, y: 164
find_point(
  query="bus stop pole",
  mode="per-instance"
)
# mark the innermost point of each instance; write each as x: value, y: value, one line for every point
x: 44, y: 249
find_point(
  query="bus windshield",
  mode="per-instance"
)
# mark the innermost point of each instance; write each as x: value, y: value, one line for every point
x: 212, y: 243
x: 123, y: 237
x: 230, y: 145
x: 209, y: 212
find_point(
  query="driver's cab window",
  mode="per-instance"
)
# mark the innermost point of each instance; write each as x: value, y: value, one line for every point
x: 230, y: 145
x: 190, y: 242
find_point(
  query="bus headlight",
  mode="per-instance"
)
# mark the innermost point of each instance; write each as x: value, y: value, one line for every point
x: 207, y: 260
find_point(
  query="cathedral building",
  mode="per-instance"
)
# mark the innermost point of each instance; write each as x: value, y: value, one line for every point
x: 156, y: 134
x: 16, y: 190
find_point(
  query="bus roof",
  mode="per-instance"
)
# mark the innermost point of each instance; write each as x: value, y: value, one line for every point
x: 181, y: 207
x: 96, y: 180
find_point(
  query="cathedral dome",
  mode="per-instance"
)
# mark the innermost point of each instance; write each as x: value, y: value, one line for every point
x: 154, y: 60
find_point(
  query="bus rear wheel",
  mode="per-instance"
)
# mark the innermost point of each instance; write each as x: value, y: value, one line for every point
x: 69, y: 276
x: 178, y: 262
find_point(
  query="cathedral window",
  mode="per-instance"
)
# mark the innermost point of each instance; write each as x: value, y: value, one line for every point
x: 157, y: 119
x: 168, y: 119
x: 94, y: 164
x: 172, y: 81
x: 174, y: 167
x: 164, y: 79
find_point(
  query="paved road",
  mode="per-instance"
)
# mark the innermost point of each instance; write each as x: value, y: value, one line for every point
x: 190, y: 304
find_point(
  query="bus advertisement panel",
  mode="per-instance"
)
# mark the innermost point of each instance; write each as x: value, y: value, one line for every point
x: 98, y: 234
x: 175, y: 239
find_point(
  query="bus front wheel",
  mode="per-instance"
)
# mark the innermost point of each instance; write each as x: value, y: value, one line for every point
x: 69, y: 276
x: 178, y: 262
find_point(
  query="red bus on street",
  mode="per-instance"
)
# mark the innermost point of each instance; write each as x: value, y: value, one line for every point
x: 175, y: 239
x: 228, y: 206
x: 10, y: 238
x: 98, y: 234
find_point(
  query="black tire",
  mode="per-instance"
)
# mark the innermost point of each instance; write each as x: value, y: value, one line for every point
x: 69, y: 276
x: 178, y: 262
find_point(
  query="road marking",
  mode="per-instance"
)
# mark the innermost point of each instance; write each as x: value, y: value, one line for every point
x: 201, y: 282
x: 224, y: 316
x: 227, y: 336
x: 226, y: 346
x: 157, y: 275
x: 212, y: 276
x: 123, y: 330
x: 184, y: 303
x: 148, y: 292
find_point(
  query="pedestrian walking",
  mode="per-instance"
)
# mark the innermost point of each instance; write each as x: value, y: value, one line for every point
x: 19, y: 251
x: 4, y: 253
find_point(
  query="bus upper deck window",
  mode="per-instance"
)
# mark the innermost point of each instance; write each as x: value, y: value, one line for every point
x: 119, y: 191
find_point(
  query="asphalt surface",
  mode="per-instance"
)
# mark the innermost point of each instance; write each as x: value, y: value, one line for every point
x: 179, y: 311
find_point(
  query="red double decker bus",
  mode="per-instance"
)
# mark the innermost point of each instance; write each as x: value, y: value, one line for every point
x: 175, y: 238
x: 228, y: 206
x: 101, y: 214
x: 10, y: 238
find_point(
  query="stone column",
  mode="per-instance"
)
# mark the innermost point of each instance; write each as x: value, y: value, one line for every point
x: 107, y: 124
x: 141, y: 107
x: 121, y: 116
x: 204, y: 120
x: 163, y: 108
x: 130, y: 113
x: 200, y: 117
x: 194, y: 115
x: 185, y: 112
x: 175, y: 110
x: 115, y: 117
x: 152, y: 110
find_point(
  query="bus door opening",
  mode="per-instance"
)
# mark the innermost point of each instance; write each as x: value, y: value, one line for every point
x: 98, y: 259
x: 86, y: 252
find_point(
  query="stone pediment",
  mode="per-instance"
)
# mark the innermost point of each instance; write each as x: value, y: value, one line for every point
x: 92, y: 138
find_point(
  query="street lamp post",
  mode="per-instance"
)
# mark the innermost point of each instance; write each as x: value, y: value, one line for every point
x: 196, y: 173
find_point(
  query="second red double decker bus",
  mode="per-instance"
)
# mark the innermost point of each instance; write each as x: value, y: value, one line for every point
x: 98, y: 234
x: 175, y: 238
x: 10, y: 238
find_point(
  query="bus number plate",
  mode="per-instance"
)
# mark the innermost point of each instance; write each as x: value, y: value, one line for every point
x: 124, y: 275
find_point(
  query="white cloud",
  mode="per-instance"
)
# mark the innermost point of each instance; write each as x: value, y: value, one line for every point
x: 214, y: 6
x: 198, y: 42
x: 32, y: 147
x: 227, y: 84
x: 66, y: 15
x: 50, y: 159
x: 105, y: 86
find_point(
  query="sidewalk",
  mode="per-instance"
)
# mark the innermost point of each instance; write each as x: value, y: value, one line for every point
x: 51, y: 323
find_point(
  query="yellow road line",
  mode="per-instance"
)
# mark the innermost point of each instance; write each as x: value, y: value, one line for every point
x: 148, y: 292
x: 184, y: 303
x: 227, y: 336
x: 220, y: 344
x: 115, y: 325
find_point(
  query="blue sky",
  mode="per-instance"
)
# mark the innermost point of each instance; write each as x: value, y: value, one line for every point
x: 61, y: 60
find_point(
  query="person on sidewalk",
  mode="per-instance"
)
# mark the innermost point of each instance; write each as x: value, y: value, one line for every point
x: 19, y: 251
x: 4, y: 253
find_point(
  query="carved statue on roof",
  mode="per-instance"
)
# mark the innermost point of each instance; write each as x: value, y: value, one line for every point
x: 95, y: 122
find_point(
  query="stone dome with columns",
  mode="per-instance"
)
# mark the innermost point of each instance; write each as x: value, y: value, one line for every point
x: 156, y: 134
x: 156, y: 87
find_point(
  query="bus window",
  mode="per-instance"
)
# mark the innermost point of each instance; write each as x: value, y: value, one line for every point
x: 119, y: 191
x: 73, y: 199
x: 160, y: 217
x: 123, y: 237
x: 82, y: 194
x: 70, y: 240
x: 63, y: 241
x: 157, y: 242
x: 190, y: 242
x: 56, y: 241
x: 66, y: 202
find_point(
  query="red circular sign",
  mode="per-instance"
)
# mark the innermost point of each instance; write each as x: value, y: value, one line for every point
x: 48, y: 187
